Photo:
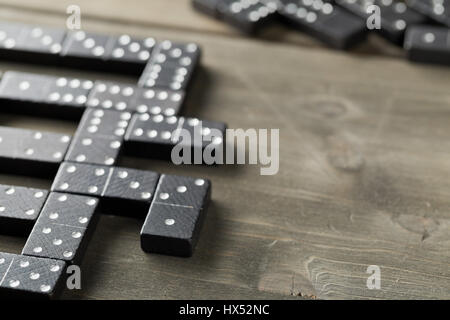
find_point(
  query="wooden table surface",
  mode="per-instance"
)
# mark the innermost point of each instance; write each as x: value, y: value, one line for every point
x: 364, y: 166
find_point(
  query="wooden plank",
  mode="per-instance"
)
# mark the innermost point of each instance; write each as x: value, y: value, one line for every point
x: 363, y: 180
x: 179, y: 15
x: 117, y: 268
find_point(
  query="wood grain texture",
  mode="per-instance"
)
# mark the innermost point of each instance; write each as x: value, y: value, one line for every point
x: 363, y: 180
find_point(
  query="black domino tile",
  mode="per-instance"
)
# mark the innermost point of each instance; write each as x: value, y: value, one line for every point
x: 123, y: 191
x: 84, y: 179
x: 69, y: 92
x: 172, y: 65
x: 249, y: 16
x: 156, y: 101
x: 112, y: 96
x: 183, y: 191
x: 438, y: 10
x: 69, y: 209
x: 177, y: 53
x: 395, y: 16
x: 155, y: 136
x: 171, y: 230
x: 129, y: 192
x: 129, y: 55
x: 23, y: 91
x: 10, y: 35
x: 159, y: 75
x: 428, y: 44
x: 45, y: 96
x: 19, y: 208
x: 31, y: 152
x: 87, y: 50
x: 208, y: 7
x: 246, y: 15
x: 119, y: 54
x: 99, y: 137
x: 204, y: 132
x: 24, y: 277
x: 94, y: 150
x: 330, y: 24
x: 151, y: 136
x: 33, y: 44
x: 125, y: 97
x: 176, y: 216
x: 64, y: 228
x: 104, y: 123
x: 75, y: 49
